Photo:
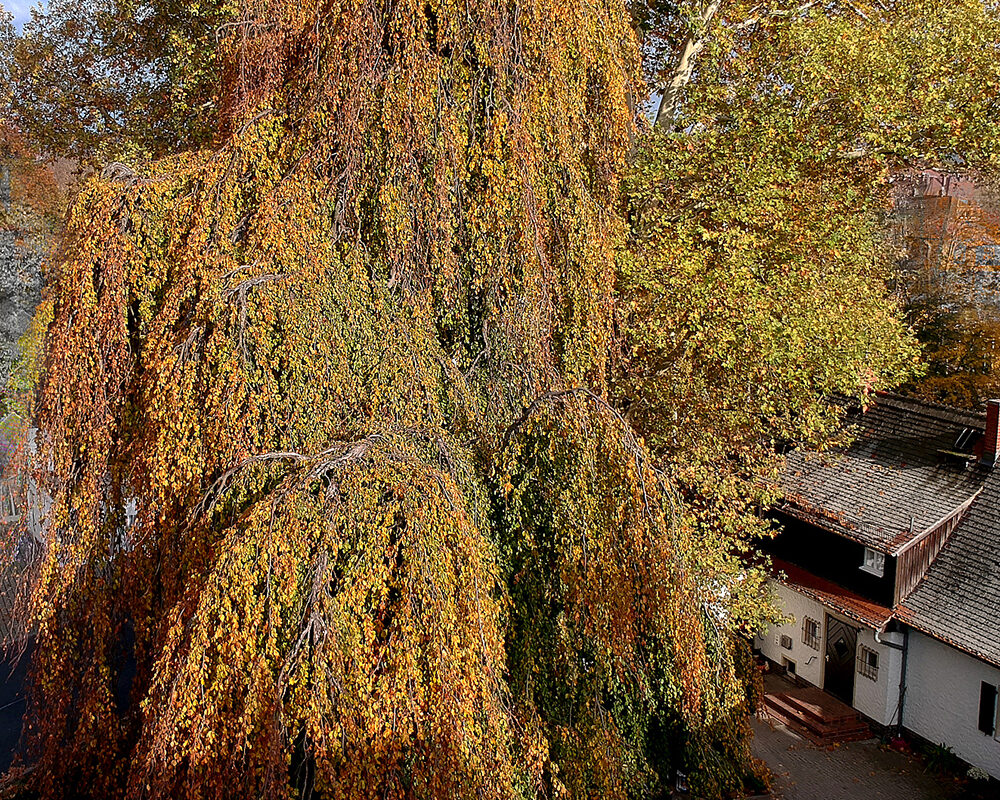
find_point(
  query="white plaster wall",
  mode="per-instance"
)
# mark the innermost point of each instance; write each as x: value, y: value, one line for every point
x: 808, y: 662
x: 876, y: 699
x: 942, y: 700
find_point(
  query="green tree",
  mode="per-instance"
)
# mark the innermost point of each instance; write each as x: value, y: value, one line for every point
x: 104, y: 80
x: 756, y: 277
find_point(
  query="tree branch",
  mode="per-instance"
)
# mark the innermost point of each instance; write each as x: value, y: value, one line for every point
x: 671, y: 99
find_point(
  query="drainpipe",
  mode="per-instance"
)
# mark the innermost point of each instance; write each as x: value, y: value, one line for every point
x: 902, y: 681
x: 905, y: 649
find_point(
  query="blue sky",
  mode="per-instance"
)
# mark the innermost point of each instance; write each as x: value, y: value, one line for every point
x: 19, y: 8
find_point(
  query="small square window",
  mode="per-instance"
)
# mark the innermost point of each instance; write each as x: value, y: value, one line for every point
x: 810, y: 632
x: 786, y: 642
x: 868, y: 663
x: 874, y: 562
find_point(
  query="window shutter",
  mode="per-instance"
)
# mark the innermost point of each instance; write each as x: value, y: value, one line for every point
x: 987, y: 708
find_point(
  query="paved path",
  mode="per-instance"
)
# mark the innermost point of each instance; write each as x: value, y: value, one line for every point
x: 855, y: 771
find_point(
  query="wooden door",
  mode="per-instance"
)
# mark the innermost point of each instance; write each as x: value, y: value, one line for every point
x: 841, y: 649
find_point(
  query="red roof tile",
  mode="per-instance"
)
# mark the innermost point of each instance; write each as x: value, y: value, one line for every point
x: 830, y: 594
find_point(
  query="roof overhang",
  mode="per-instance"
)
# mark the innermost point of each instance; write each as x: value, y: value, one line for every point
x: 829, y: 594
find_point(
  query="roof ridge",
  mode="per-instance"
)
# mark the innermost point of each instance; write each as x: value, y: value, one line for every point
x: 932, y: 409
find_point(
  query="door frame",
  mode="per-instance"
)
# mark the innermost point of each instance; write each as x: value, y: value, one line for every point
x: 851, y: 633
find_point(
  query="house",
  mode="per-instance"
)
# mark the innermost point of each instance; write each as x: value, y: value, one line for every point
x: 888, y: 563
x: 952, y: 620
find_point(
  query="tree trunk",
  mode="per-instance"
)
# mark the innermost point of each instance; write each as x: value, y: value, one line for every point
x: 671, y: 99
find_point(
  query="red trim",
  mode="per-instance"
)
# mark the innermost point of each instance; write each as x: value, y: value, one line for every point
x: 830, y: 594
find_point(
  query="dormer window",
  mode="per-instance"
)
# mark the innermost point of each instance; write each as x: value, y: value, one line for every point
x: 874, y: 562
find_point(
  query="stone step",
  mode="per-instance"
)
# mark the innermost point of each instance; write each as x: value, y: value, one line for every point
x: 843, y: 728
x: 823, y: 713
x: 821, y: 740
x: 779, y: 704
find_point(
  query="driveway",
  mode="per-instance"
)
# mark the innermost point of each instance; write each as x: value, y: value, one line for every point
x: 855, y: 771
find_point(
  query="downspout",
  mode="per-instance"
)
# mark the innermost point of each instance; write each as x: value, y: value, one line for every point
x: 902, y: 681
x: 905, y: 649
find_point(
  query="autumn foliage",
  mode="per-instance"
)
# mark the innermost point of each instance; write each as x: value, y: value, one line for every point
x: 351, y: 366
x: 445, y: 393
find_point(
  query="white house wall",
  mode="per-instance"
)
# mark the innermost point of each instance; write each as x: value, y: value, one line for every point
x: 876, y: 699
x: 942, y: 700
x: 879, y: 699
x: 808, y: 662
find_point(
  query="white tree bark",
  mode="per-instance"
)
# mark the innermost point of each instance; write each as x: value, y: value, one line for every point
x: 671, y: 99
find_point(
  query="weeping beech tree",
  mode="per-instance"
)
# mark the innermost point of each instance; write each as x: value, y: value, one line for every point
x: 350, y: 366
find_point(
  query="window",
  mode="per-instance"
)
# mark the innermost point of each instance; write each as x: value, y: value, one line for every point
x: 868, y: 663
x: 987, y: 708
x: 786, y: 642
x: 874, y: 562
x: 810, y: 632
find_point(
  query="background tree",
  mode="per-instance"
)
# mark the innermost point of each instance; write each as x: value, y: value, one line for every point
x: 7, y: 39
x: 31, y: 214
x: 947, y: 232
x: 96, y: 81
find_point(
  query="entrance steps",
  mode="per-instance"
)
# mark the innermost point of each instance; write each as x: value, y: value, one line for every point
x: 811, y: 712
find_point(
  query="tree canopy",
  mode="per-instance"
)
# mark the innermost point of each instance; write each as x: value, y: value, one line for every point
x: 755, y: 284
x: 446, y: 392
x: 352, y: 367
x: 103, y: 80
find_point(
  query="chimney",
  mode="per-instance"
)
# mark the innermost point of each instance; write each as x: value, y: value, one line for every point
x: 991, y: 439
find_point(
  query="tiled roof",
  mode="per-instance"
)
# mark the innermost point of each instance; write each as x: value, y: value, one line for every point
x: 902, y: 474
x: 958, y: 601
x: 831, y: 595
